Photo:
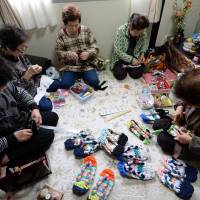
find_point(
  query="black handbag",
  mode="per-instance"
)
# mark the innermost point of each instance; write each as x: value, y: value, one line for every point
x: 19, y: 177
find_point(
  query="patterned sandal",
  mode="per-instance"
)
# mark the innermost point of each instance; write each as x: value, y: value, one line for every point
x: 103, y: 186
x: 85, y: 178
x: 75, y: 141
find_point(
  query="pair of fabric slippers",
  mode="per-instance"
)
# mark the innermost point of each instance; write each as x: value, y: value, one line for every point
x: 113, y: 143
x: 83, y: 144
x: 132, y: 163
x: 140, y: 131
x: 85, y: 179
x: 177, y: 176
x: 153, y: 115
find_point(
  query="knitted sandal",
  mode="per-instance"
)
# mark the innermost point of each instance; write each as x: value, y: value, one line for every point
x: 119, y: 138
x: 111, y: 148
x: 141, y: 171
x: 140, y: 131
x: 182, y: 188
x: 87, y: 148
x: 104, y: 185
x: 180, y: 169
x: 134, y: 154
x: 85, y: 178
x: 149, y: 117
x: 77, y: 140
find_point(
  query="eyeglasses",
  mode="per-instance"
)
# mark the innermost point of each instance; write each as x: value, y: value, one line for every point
x: 22, y: 48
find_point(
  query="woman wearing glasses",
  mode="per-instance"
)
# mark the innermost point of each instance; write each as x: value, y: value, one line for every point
x: 12, y: 48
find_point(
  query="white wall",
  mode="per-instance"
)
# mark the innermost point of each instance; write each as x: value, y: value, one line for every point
x: 103, y: 18
x: 167, y: 23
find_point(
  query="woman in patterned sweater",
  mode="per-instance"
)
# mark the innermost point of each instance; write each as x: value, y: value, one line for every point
x: 77, y: 49
x: 130, y: 44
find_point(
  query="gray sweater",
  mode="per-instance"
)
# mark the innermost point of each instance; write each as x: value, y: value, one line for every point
x: 192, y: 118
x: 15, y: 110
x: 19, y: 66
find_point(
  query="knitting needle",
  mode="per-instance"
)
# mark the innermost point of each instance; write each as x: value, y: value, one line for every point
x: 118, y: 115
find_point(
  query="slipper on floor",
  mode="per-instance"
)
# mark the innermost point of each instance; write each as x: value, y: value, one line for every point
x: 103, y: 186
x: 111, y: 147
x: 182, y: 188
x: 180, y: 169
x: 119, y: 138
x: 77, y: 140
x: 141, y: 171
x: 140, y: 131
x: 85, y: 178
x: 135, y: 154
x: 87, y: 148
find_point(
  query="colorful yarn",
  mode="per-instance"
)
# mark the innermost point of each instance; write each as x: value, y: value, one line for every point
x: 141, y: 171
x: 182, y: 188
x: 180, y: 169
x: 85, y: 178
x: 134, y: 154
x: 140, y: 131
x: 103, y: 186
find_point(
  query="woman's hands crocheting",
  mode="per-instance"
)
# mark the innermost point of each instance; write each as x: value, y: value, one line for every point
x: 23, y: 135
x: 72, y: 56
x: 84, y: 55
x: 178, y: 114
x: 142, y: 58
x: 135, y: 61
x: 183, y: 137
x: 37, y: 117
x: 32, y: 70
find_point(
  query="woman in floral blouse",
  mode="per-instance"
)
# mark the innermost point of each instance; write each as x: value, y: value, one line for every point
x: 130, y: 44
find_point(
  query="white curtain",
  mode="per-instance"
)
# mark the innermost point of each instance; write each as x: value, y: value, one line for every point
x: 9, y: 16
x: 149, y: 8
x: 34, y: 13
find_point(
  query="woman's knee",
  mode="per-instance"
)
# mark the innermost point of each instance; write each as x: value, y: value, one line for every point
x: 55, y: 118
x: 46, y: 138
x: 136, y: 72
x: 119, y: 72
x: 45, y: 104
x: 120, y: 75
x: 54, y: 86
x: 166, y: 142
x: 66, y: 84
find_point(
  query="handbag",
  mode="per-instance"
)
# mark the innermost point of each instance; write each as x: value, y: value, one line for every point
x: 18, y: 177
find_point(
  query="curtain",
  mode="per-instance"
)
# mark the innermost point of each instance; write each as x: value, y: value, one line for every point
x: 9, y: 16
x: 34, y: 14
x: 149, y: 8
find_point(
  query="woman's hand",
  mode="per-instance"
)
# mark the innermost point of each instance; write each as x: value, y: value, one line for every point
x: 32, y: 70
x: 142, y: 58
x: 183, y: 138
x: 84, y: 55
x: 72, y: 56
x: 37, y: 117
x: 23, y: 135
x: 135, y: 62
x: 178, y: 114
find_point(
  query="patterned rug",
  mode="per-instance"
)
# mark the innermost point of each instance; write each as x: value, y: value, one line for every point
x: 74, y: 116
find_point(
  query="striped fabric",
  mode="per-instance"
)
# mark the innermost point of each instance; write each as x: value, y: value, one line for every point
x: 85, y: 41
x: 3, y: 144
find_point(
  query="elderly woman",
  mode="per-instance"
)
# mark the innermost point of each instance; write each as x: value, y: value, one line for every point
x: 76, y: 48
x: 12, y: 48
x: 130, y: 44
x: 20, y: 140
